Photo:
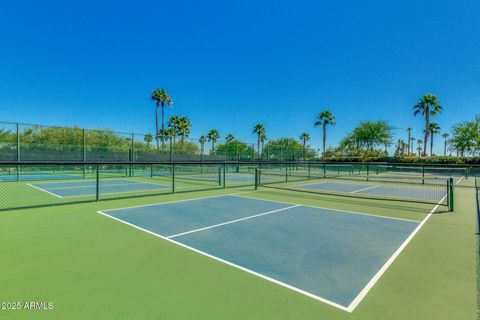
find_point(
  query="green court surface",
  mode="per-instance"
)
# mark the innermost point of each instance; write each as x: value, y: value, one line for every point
x: 93, y: 267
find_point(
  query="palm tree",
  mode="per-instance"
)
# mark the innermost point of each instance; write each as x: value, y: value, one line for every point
x: 213, y: 136
x: 445, y: 137
x: 170, y: 134
x: 173, y: 123
x: 412, y: 140
x: 184, y: 126
x: 263, y: 137
x: 427, y: 106
x: 202, y: 141
x: 229, y: 137
x: 160, y: 97
x: 325, y: 118
x: 259, y: 129
x: 409, y: 139
x: 434, y: 128
x: 148, y: 139
x: 419, y: 148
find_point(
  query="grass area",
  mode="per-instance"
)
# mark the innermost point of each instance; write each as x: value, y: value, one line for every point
x: 92, y: 267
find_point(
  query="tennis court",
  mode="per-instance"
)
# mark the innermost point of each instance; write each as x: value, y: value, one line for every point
x: 330, y: 255
x: 70, y: 189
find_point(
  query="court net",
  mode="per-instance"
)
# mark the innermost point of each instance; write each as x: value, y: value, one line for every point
x: 432, y: 190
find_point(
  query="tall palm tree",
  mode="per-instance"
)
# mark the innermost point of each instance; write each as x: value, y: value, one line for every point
x: 434, y: 128
x: 160, y: 97
x: 445, y: 139
x: 427, y: 106
x: 202, y: 141
x: 229, y: 137
x: 325, y: 118
x: 259, y: 129
x: 148, y: 139
x: 419, y: 148
x: 409, y: 139
x: 213, y: 136
x: 184, y: 126
x: 412, y: 140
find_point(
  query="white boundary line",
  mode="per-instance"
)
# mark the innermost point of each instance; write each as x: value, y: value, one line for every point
x: 231, y: 221
x: 50, y: 193
x: 181, y: 200
x: 364, y: 189
x: 387, y: 264
x: 233, y: 264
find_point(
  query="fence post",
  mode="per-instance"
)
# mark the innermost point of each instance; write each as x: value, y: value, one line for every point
x: 423, y: 174
x: 84, y: 153
x: 368, y: 170
x: 173, y: 177
x: 97, y: 191
x: 451, y: 202
x: 18, y: 151
x: 224, y: 175
x: 256, y: 178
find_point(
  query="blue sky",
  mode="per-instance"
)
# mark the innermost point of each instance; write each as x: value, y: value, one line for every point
x: 231, y: 64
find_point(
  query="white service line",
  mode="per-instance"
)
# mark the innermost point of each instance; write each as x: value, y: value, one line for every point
x: 231, y: 221
x: 38, y: 188
x: 364, y: 189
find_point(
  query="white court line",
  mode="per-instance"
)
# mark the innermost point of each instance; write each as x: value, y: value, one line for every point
x: 232, y: 221
x: 364, y: 189
x: 311, y: 295
x: 38, y: 188
x: 175, y: 201
x: 325, y: 208
x: 459, y: 180
x: 389, y: 262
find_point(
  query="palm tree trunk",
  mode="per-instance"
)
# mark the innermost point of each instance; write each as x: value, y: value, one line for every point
x: 409, y: 134
x: 445, y: 148
x: 324, y: 137
x: 431, y: 145
x: 258, y: 145
x: 163, y: 125
x: 427, y: 125
x: 156, y: 127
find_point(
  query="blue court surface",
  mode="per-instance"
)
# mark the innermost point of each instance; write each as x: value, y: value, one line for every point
x: 330, y: 255
x: 68, y: 189
x: 403, y: 191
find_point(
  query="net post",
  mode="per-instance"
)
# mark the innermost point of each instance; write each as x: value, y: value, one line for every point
x: 256, y: 178
x: 368, y: 170
x: 151, y: 170
x: 309, y: 171
x: 173, y: 177
x: 451, y: 201
x: 324, y: 170
x: 97, y: 189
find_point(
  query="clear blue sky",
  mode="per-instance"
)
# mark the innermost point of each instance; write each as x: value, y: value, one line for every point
x: 230, y: 65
